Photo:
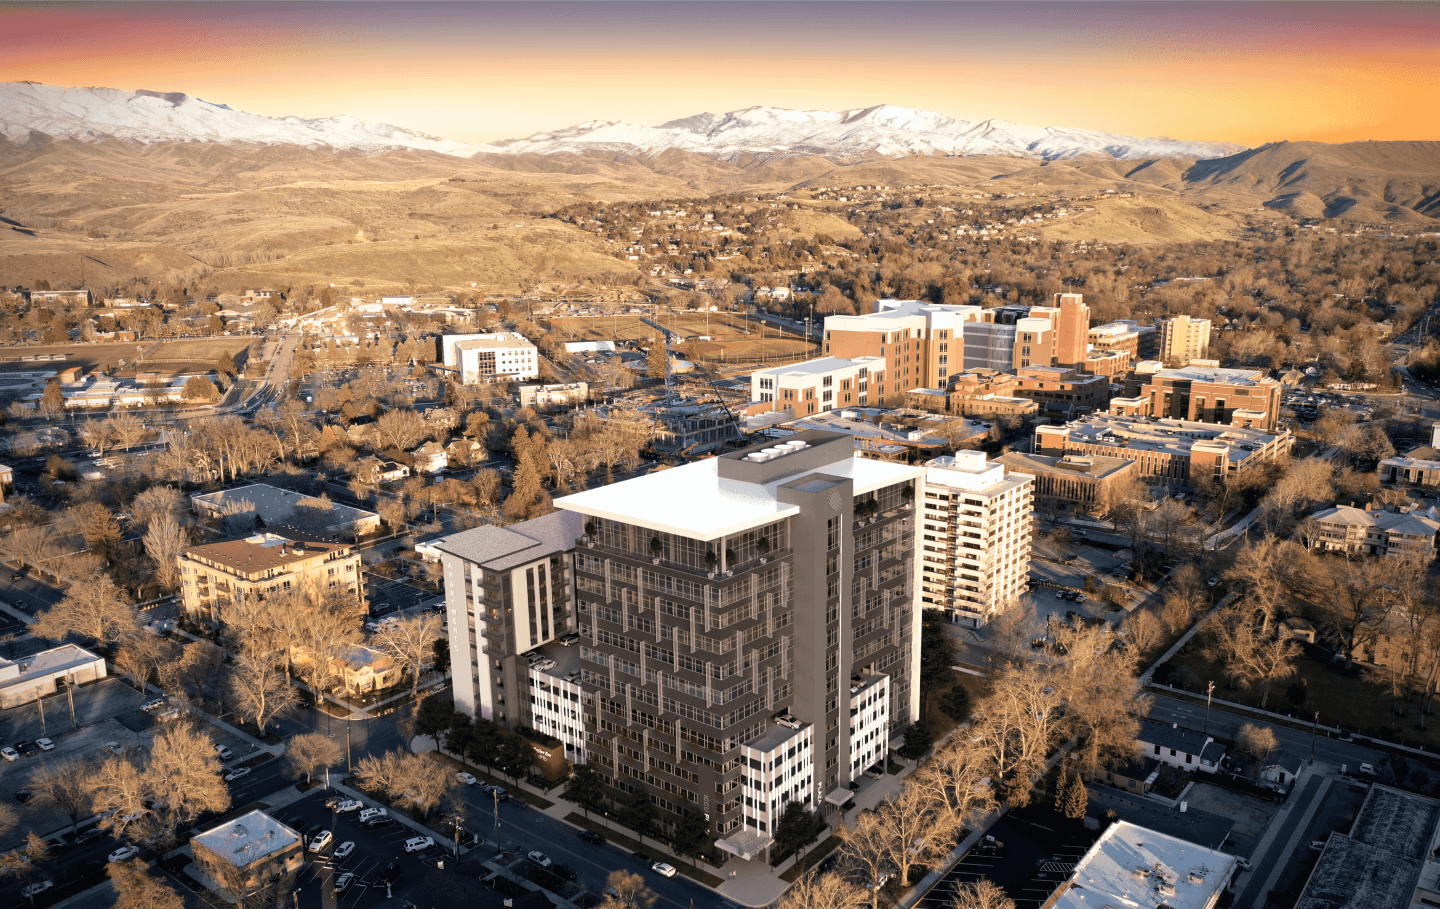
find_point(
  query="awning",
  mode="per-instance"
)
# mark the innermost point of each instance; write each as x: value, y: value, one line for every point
x: 839, y: 796
x: 747, y: 843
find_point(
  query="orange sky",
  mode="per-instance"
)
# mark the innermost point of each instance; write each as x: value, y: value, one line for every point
x: 1246, y: 73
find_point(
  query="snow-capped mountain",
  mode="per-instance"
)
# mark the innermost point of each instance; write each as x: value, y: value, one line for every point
x: 884, y: 130
x: 144, y: 116
x: 91, y: 114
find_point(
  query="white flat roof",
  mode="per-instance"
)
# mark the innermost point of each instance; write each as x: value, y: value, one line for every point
x: 1134, y: 866
x: 692, y: 501
x: 820, y: 366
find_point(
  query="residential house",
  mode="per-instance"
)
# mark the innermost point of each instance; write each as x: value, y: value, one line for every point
x: 1170, y: 743
x: 358, y: 670
x: 1408, y: 470
x: 430, y: 458
x: 1282, y: 768
x: 464, y: 452
x: 374, y: 470
x: 1298, y: 629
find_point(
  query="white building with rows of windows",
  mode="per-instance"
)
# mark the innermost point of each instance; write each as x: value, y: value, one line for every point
x: 975, y: 538
x: 501, y: 355
x: 816, y: 386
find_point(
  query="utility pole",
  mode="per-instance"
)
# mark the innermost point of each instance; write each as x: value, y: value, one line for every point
x: 495, y: 794
x: 41, y: 702
x: 1313, y: 728
x: 1209, y: 692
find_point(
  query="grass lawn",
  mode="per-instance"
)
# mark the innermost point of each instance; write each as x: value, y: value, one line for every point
x: 1360, y: 699
x: 620, y: 839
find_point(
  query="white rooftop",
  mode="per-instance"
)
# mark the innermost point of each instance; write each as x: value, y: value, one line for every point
x: 820, y: 366
x: 693, y: 501
x: 248, y: 838
x: 1136, y: 867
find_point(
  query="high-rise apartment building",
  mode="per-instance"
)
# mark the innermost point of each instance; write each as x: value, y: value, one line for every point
x: 746, y: 629
x: 974, y: 537
x: 1072, y: 330
x: 1183, y: 339
x: 264, y: 565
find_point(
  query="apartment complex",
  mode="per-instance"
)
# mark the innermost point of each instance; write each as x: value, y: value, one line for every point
x: 490, y: 357
x: 1084, y: 484
x: 507, y: 591
x: 973, y: 393
x: 1202, y: 391
x: 1167, y: 451
x: 1183, y: 339
x: 216, y: 575
x: 1406, y: 470
x: 815, y: 386
x: 1375, y: 530
x: 729, y: 611
x: 975, y: 537
x: 1072, y: 330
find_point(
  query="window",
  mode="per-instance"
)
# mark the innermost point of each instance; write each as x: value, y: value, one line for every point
x: 767, y: 383
x: 828, y: 381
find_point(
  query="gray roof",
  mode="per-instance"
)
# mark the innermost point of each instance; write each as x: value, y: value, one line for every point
x: 500, y: 548
x: 248, y: 838
x: 1167, y: 736
x: 1199, y: 827
x: 275, y: 504
x: 1379, y: 863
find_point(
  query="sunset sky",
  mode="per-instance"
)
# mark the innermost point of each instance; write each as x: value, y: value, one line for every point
x: 1246, y: 73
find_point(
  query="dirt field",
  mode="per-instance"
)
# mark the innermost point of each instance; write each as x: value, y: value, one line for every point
x: 751, y: 349
x: 192, y: 354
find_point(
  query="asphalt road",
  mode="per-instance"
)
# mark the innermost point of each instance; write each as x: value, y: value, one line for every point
x: 1225, y: 724
x: 27, y: 594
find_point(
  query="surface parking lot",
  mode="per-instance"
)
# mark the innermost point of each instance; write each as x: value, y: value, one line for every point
x: 105, y: 711
x: 374, y: 849
x: 1035, y: 858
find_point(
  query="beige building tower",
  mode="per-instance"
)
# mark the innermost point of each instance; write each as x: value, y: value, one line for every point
x: 1184, y: 339
x: 975, y: 537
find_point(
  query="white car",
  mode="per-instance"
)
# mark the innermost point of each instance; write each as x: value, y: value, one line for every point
x: 114, y: 747
x: 368, y: 813
x: 540, y: 859
x: 418, y: 843
x: 466, y: 778
x: 36, y: 888
x: 45, y: 744
x: 348, y: 806
x: 224, y: 753
x: 321, y: 840
x: 663, y: 869
x: 123, y: 853
x: 9, y: 753
x: 236, y: 774
x: 344, y: 849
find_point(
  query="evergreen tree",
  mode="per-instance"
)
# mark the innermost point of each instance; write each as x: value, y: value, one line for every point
x: 1077, y: 797
x: 1062, y: 787
x: 638, y: 813
x: 200, y: 389
x: 658, y: 360
x: 529, y: 498
x: 956, y: 703
x: 53, y: 400
x: 692, y: 834
x: 586, y: 788
x: 797, y: 828
x: 516, y: 756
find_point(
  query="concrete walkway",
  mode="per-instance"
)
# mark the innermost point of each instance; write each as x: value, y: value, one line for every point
x: 1283, y: 837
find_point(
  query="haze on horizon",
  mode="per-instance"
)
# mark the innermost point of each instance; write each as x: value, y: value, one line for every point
x: 479, y: 72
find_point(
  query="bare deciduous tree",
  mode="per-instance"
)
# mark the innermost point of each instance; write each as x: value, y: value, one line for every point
x: 1237, y: 640
x: 411, y: 643
x: 310, y: 752
x: 92, y: 611
x: 982, y: 894
x: 66, y: 785
x: 136, y: 889
x: 256, y: 687
x: 823, y: 891
x: 627, y: 890
x: 411, y: 779
x: 165, y: 540
x: 1257, y: 741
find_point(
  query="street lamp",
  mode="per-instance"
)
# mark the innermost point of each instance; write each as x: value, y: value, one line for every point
x: 1209, y: 691
x: 1313, y: 729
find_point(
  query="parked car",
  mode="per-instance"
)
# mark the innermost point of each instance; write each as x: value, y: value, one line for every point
x: 344, y: 849
x: 1243, y: 863
x: 345, y: 806
x: 225, y: 753
x: 466, y: 778
x: 236, y: 774
x: 18, y: 573
x: 540, y: 859
x: 663, y: 869
x: 153, y: 704
x: 321, y: 840
x: 36, y: 889
x: 876, y: 772
x: 45, y: 744
x: 123, y: 853
x: 380, y: 821
x: 370, y: 813
x: 343, y: 882
x: 497, y: 791
x: 389, y: 875
x: 27, y: 748
x: 591, y: 837
x: 114, y: 748
x: 418, y: 843
x: 10, y: 754
x: 1317, y: 845
x: 86, y: 836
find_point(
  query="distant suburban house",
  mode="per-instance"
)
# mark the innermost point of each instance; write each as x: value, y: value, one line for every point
x: 430, y: 458
x: 1186, y: 749
x: 464, y: 451
x: 1282, y: 767
x: 1135, y: 777
x: 1408, y: 470
x: 374, y: 470
x: 358, y: 670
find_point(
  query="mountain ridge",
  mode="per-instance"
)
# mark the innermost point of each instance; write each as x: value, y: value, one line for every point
x: 753, y: 133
